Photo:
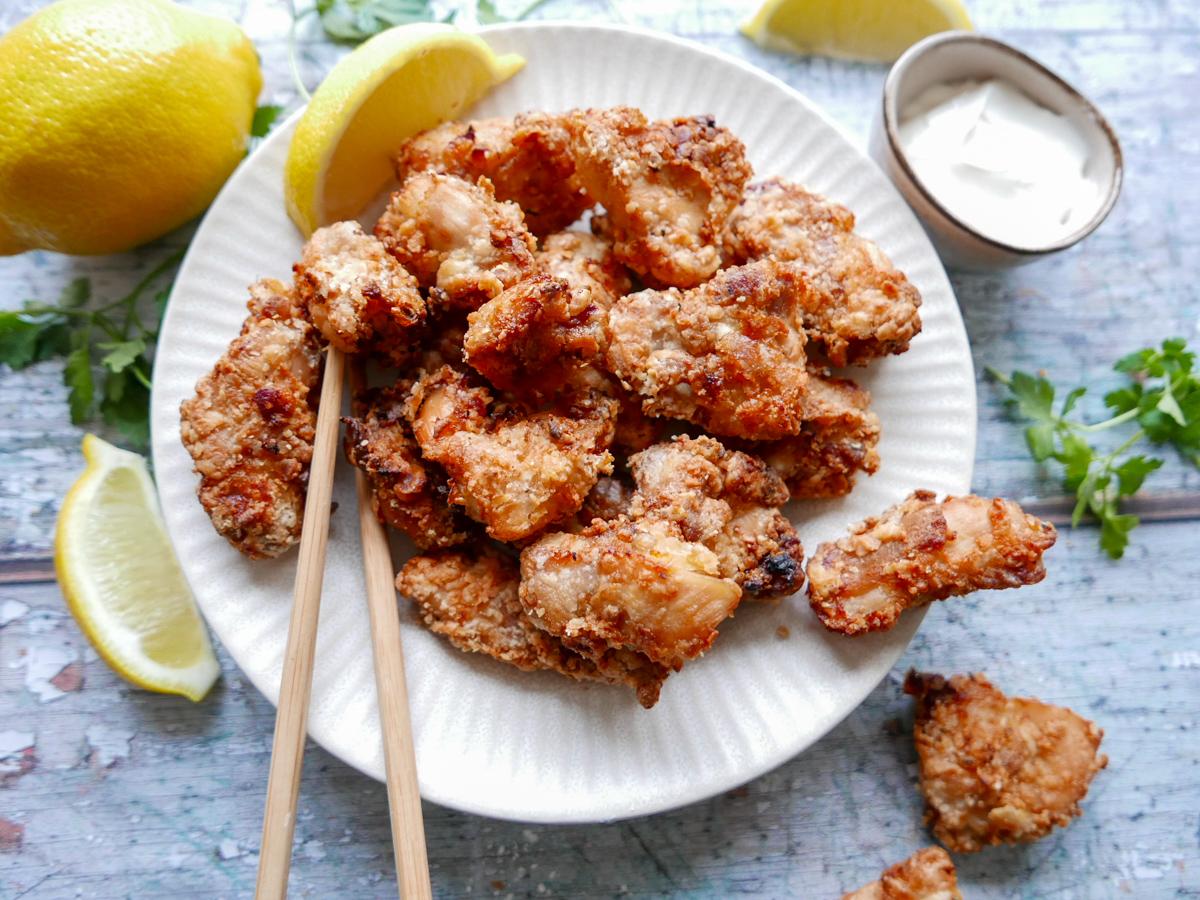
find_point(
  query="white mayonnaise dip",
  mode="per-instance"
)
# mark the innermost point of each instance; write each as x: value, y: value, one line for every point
x: 1009, y: 168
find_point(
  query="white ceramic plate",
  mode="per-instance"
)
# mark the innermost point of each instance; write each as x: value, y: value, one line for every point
x: 537, y: 747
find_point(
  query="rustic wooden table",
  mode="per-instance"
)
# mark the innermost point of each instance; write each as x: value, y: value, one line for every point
x: 107, y: 791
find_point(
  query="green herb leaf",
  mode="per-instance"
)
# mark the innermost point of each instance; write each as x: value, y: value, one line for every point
x: 1071, y: 399
x: 1132, y: 472
x: 1076, y: 456
x: 1114, y: 533
x: 357, y: 20
x: 264, y: 118
x: 1040, y: 439
x: 19, y: 339
x: 77, y: 376
x: 121, y: 354
x: 1034, y: 396
x: 124, y: 407
x: 76, y: 294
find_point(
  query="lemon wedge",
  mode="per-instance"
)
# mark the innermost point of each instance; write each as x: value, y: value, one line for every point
x: 122, y: 581
x: 871, y: 30
x: 401, y: 81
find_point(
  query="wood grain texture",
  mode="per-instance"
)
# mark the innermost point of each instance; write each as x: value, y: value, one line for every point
x: 123, y: 793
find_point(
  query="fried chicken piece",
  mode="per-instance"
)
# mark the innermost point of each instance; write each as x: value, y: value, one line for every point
x: 923, y: 550
x: 407, y: 492
x: 359, y: 297
x: 726, y: 355
x: 250, y: 426
x: 627, y: 584
x: 635, y: 430
x: 997, y: 769
x: 536, y: 335
x: 457, y: 238
x: 926, y: 875
x: 837, y: 440
x: 472, y: 600
x: 728, y: 501
x: 513, y: 468
x: 668, y: 187
x: 610, y: 499
x: 860, y: 306
x: 527, y: 159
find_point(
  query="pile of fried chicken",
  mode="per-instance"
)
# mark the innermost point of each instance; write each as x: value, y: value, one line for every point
x: 589, y: 435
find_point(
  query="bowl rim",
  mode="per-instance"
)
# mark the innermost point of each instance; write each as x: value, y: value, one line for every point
x: 890, y: 129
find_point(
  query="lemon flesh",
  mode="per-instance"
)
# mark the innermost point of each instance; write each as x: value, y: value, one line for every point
x: 870, y: 30
x: 119, y: 121
x: 122, y: 581
x: 399, y: 82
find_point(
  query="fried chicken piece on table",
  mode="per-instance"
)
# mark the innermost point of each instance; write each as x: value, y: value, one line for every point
x: 928, y: 874
x: 997, y: 769
x: 456, y: 238
x: 631, y: 584
x: 359, y: 297
x: 729, y: 502
x: 837, y: 440
x: 250, y: 426
x: 860, y: 306
x: 668, y: 187
x: 727, y: 356
x: 537, y: 334
x: 923, y: 550
x: 514, y: 468
x: 526, y: 159
x: 471, y: 598
x: 407, y: 492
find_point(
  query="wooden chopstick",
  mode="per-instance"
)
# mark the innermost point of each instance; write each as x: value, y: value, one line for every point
x: 287, y: 751
x: 404, y: 797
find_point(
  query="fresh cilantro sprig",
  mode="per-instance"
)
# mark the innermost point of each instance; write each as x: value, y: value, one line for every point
x: 1162, y: 398
x: 112, y: 337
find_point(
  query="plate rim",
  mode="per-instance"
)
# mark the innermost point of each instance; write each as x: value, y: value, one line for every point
x: 617, y: 808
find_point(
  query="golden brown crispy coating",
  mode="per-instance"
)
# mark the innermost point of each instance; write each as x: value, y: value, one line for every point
x: 407, y: 492
x: 587, y: 263
x: 635, y: 430
x: 926, y: 875
x: 860, y: 306
x: 923, y: 550
x: 457, y: 238
x: 727, y: 355
x: 513, y: 468
x: 250, y: 426
x: 359, y: 297
x: 471, y: 598
x: 526, y: 159
x: 630, y: 584
x: 837, y: 440
x: 668, y: 187
x: 998, y: 769
x: 535, y: 336
x: 728, y: 501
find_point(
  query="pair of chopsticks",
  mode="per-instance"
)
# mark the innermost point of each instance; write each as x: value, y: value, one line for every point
x: 287, y: 751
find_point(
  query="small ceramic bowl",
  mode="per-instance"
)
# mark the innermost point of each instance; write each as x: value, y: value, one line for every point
x: 960, y: 56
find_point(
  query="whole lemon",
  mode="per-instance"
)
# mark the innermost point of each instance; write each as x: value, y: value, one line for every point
x: 119, y: 121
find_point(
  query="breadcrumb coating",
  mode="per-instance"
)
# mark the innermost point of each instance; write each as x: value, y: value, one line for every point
x: 407, y: 492
x: 923, y: 550
x: 250, y: 426
x: 668, y: 187
x: 860, y: 306
x: 456, y: 238
x: 359, y: 297
x: 998, y: 769
x: 926, y: 875
x: 727, y: 356
x: 471, y: 598
x: 526, y: 158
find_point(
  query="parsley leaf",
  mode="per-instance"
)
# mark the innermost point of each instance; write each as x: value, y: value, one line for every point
x: 264, y: 118
x: 106, y: 335
x: 357, y: 20
x: 1163, y: 398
